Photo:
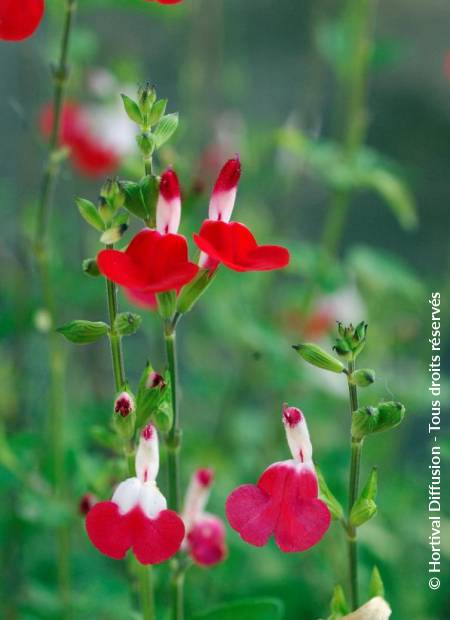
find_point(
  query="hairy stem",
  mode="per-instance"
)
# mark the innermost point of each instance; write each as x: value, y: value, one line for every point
x: 355, y: 466
x: 55, y: 355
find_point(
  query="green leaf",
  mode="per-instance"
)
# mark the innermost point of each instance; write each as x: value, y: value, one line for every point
x: 338, y: 604
x: 90, y: 214
x: 251, y: 609
x: 158, y: 110
x: 396, y: 195
x: 165, y: 129
x: 83, y: 332
x: 134, y: 201
x: 132, y: 109
x: 121, y: 219
x: 376, y: 587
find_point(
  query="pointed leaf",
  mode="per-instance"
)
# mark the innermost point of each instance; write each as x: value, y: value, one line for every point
x: 90, y: 214
x: 165, y: 129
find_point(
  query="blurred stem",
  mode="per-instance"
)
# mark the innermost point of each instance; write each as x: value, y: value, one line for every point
x: 355, y: 466
x: 55, y: 355
x: 146, y: 592
x: 173, y: 446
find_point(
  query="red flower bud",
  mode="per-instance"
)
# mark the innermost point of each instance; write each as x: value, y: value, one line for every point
x: 224, y: 192
x: 168, y: 208
x: 124, y: 404
x: 87, y: 502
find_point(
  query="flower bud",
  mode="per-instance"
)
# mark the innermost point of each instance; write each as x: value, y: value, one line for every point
x: 365, y: 507
x: 105, y: 210
x: 338, y: 603
x: 224, y: 193
x: 362, y: 377
x: 113, y: 192
x: 146, y: 143
x: 146, y: 98
x: 147, y: 454
x: 197, y: 495
x: 315, y: 355
x: 369, y: 420
x: 83, y: 332
x: 297, y: 434
x: 352, y: 340
x: 127, y: 323
x: 86, y: 503
x: 376, y: 587
x: 124, y: 415
x: 163, y: 417
x: 90, y: 267
x: 113, y: 234
x: 151, y: 393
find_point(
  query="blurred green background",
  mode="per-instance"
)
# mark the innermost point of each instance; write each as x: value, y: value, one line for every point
x: 341, y: 118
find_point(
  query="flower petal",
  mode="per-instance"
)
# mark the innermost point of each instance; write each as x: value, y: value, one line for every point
x: 206, y: 541
x: 20, y: 18
x: 155, y: 540
x: 251, y: 513
x: 108, y: 531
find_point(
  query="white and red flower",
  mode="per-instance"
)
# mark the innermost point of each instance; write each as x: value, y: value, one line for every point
x: 375, y: 609
x: 205, y: 533
x: 137, y: 517
x: 284, y: 503
x: 168, y: 208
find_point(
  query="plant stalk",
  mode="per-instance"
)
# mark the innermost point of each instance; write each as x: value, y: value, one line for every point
x: 355, y: 466
x: 55, y: 354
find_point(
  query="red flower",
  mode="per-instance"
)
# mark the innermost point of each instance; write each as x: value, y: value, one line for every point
x: 205, y: 533
x: 166, y: 1
x: 232, y: 243
x: 143, y: 299
x: 88, y: 154
x: 285, y: 501
x: 137, y: 517
x: 20, y: 18
x: 152, y: 263
x: 168, y: 208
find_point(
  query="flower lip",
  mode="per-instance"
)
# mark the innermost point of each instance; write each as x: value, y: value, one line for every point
x: 291, y: 416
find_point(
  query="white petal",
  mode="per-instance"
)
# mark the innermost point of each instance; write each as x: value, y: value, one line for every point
x: 127, y: 494
x: 375, y: 609
x: 221, y: 205
x: 151, y: 500
x: 147, y: 455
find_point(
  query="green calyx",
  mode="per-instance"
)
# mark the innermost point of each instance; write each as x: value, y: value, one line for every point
x: 316, y: 356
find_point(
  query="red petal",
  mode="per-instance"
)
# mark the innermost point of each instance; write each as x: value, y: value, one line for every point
x: 20, y: 18
x: 143, y: 299
x: 155, y: 540
x: 234, y: 245
x: 108, y: 531
x: 151, y: 263
x: 284, y: 504
x: 251, y: 513
x: 207, y: 541
x: 92, y: 159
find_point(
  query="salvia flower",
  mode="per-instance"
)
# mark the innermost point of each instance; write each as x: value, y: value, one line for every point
x: 137, y: 517
x: 284, y: 503
x: 166, y: 1
x: 168, y: 208
x: 89, y: 153
x: 19, y: 19
x: 232, y: 243
x: 205, y: 533
x: 152, y: 263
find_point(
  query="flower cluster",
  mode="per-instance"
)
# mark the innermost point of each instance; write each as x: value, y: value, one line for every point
x: 284, y: 503
x: 157, y: 260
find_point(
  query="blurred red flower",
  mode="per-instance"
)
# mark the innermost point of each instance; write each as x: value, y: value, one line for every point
x: 89, y: 156
x: 166, y: 1
x: 20, y: 18
x: 152, y: 263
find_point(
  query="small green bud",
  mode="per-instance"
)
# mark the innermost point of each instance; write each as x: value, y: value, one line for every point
x: 146, y: 143
x: 105, y: 210
x: 338, y: 604
x: 83, y: 332
x: 113, y: 192
x: 365, y: 507
x: 192, y: 292
x: 132, y: 109
x: 335, y: 508
x: 362, y: 377
x: 124, y: 416
x: 90, y: 214
x: 369, y: 420
x: 343, y: 349
x: 113, y: 234
x: 376, y: 587
x: 146, y: 98
x: 127, y: 323
x: 90, y: 267
x: 153, y: 389
x: 167, y: 302
x: 352, y: 340
x: 315, y: 355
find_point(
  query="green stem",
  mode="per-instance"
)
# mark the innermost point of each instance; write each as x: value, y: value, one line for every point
x: 355, y: 466
x: 114, y: 338
x: 173, y: 446
x: 55, y: 355
x: 146, y: 592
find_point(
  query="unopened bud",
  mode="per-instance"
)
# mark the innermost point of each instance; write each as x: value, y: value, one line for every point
x: 113, y: 234
x: 125, y: 415
x: 151, y: 393
x: 369, y: 420
x: 163, y: 417
x: 90, y: 267
x: 127, y: 323
x: 105, y: 210
x: 316, y: 356
x: 86, y: 503
x: 114, y: 193
x: 362, y: 377
x: 146, y: 98
x: 146, y: 143
x: 352, y: 340
x: 297, y: 434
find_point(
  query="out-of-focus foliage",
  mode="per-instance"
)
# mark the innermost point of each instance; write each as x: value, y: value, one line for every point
x: 247, y: 77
